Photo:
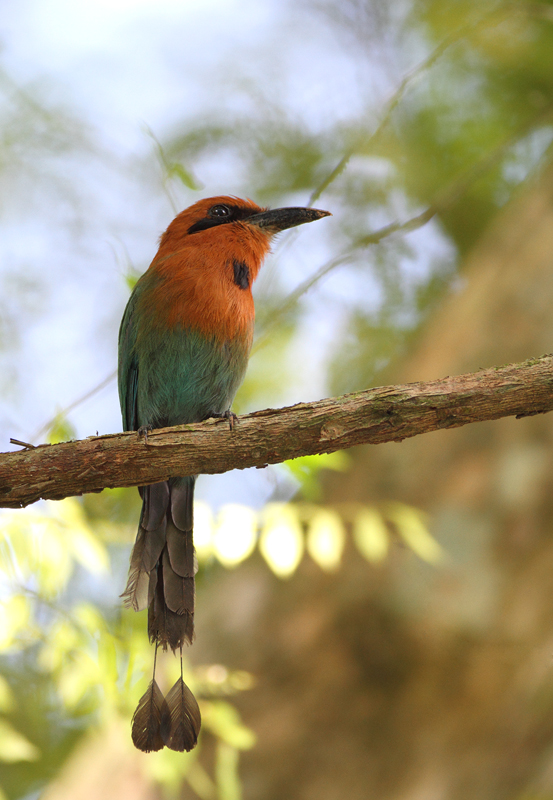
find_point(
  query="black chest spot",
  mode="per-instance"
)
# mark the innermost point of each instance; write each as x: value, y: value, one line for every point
x: 241, y: 274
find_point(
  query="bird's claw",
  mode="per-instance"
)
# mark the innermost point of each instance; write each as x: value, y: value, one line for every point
x: 143, y: 432
x: 228, y: 414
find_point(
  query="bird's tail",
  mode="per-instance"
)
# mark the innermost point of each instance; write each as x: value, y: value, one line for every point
x: 161, y: 578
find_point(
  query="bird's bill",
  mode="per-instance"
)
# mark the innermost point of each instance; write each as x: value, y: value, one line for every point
x: 279, y: 219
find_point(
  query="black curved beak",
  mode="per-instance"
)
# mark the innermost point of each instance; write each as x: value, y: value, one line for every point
x: 279, y: 219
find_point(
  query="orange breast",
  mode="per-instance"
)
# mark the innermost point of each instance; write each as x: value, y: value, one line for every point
x: 192, y: 281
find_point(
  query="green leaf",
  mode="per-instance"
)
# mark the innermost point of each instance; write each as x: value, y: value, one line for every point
x: 411, y: 526
x: 223, y: 720
x: 370, y: 534
x: 176, y: 170
x: 79, y: 538
x: 14, y: 746
x: 168, y: 768
x: 15, y: 620
x: 131, y: 279
x: 61, y: 430
x: 326, y: 539
x: 54, y: 564
x: 226, y: 772
x: 306, y: 470
x: 7, y: 700
x: 235, y: 534
x: 281, y: 543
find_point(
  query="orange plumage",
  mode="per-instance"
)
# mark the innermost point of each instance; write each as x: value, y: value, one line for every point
x: 197, y: 286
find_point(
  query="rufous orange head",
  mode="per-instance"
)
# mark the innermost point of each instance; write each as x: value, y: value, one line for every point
x: 229, y: 223
x: 210, y: 255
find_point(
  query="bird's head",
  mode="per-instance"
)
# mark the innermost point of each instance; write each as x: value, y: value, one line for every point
x: 208, y: 259
x: 216, y: 211
x: 219, y: 221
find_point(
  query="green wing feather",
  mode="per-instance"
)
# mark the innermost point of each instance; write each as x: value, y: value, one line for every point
x: 128, y: 367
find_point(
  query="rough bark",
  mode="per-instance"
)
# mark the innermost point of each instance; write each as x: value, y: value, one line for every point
x: 385, y: 414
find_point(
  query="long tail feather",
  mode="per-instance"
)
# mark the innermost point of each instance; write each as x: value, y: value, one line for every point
x: 161, y: 577
x: 180, y: 718
x: 147, y: 720
x: 149, y: 544
x: 154, y: 507
x: 171, y: 592
x: 165, y: 626
x: 179, y: 592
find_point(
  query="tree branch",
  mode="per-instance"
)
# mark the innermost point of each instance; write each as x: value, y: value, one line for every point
x: 384, y: 414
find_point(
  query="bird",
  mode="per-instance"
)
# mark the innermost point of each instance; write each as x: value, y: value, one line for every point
x: 184, y: 344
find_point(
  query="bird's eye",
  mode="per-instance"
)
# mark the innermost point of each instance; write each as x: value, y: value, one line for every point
x: 219, y: 211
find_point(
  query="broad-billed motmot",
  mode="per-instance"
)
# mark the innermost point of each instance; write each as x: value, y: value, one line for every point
x: 184, y: 344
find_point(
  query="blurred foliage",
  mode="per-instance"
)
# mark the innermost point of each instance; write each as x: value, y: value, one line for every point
x: 34, y: 133
x: 496, y: 81
x: 463, y: 129
x: 285, y: 531
x: 60, y: 429
x: 458, y: 135
x: 70, y: 660
x: 307, y: 471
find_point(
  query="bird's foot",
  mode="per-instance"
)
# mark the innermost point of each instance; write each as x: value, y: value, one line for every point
x: 232, y: 419
x: 228, y: 414
x: 143, y: 432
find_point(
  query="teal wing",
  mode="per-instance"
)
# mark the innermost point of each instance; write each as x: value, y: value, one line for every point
x: 128, y: 367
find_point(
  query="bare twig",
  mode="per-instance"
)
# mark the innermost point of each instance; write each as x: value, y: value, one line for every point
x: 19, y: 443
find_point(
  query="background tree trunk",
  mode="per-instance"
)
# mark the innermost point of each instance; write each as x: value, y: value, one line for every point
x: 409, y: 680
